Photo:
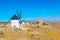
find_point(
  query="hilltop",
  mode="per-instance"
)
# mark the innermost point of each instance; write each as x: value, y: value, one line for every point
x: 34, y: 31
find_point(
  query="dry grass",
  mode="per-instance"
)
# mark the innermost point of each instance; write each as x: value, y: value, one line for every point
x: 45, y: 32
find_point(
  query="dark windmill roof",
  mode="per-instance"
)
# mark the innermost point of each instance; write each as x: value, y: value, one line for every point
x: 14, y: 17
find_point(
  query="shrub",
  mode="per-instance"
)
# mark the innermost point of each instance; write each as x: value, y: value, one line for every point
x: 32, y: 35
x: 44, y: 24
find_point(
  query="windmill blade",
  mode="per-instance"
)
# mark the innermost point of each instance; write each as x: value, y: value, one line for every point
x: 6, y: 23
x: 18, y: 14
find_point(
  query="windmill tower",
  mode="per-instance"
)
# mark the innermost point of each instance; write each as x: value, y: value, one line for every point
x: 15, y: 21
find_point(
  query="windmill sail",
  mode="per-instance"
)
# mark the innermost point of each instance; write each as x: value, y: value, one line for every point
x: 6, y: 23
x: 19, y: 15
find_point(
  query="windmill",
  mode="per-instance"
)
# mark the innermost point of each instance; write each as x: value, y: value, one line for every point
x: 15, y: 20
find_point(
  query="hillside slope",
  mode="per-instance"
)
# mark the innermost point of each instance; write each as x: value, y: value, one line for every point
x: 45, y: 32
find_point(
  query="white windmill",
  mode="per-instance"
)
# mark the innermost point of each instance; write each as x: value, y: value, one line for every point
x: 15, y: 21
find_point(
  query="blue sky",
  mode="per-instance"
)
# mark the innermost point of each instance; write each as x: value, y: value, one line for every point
x: 47, y: 10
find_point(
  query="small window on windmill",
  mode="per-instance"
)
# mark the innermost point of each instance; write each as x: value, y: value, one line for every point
x: 14, y: 26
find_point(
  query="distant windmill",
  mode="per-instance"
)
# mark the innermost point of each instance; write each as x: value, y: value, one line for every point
x: 15, y: 20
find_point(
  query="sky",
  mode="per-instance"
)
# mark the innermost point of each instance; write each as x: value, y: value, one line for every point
x: 46, y: 10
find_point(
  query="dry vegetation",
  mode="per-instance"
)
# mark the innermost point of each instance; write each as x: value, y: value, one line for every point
x: 39, y: 31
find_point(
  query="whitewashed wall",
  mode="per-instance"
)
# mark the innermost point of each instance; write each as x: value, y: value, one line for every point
x: 16, y: 23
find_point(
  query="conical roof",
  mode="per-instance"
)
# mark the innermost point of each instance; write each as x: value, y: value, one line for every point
x: 14, y: 17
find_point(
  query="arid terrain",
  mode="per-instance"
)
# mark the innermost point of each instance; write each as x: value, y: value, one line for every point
x: 34, y: 31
